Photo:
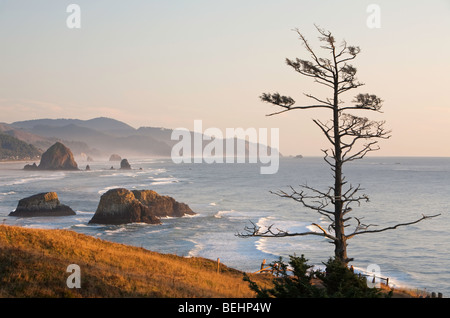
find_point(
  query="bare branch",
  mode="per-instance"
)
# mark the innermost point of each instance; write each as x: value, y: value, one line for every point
x: 322, y: 63
x: 325, y: 129
x: 326, y: 102
x: 424, y: 217
x: 351, y: 138
x: 256, y: 231
x: 317, y: 201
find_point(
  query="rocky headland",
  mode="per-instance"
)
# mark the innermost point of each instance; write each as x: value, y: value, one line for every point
x: 42, y: 204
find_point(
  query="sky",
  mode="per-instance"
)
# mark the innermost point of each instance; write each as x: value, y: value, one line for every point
x: 168, y: 63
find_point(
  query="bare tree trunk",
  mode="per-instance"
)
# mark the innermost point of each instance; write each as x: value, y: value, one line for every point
x: 345, y: 132
x: 340, y: 243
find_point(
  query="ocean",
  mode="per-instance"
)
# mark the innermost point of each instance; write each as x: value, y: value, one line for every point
x: 228, y: 197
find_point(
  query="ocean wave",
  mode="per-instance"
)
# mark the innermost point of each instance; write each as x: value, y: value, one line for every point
x: 167, y: 217
x: 106, y: 189
x: 81, y: 225
x: 121, y: 174
x: 261, y: 245
x: 85, y: 212
x: 241, y: 215
x: 115, y: 231
x: 167, y: 180
x: 139, y: 186
x: 33, y: 178
x: 280, y: 247
x: 285, y: 247
x: 219, y: 214
x: 7, y: 193
x: 195, y: 251
x: 289, y: 225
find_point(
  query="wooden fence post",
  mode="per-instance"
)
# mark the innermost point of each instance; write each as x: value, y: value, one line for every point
x: 218, y: 265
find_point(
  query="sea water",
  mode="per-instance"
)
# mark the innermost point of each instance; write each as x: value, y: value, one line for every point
x: 229, y: 197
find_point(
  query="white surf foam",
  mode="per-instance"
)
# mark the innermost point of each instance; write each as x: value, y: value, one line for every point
x: 104, y: 190
x: 166, y: 180
x: 33, y: 178
x: 7, y: 193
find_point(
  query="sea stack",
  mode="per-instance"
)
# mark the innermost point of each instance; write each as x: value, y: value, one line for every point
x: 162, y: 206
x: 42, y: 204
x: 115, y: 157
x: 125, y: 165
x: 121, y: 206
x: 57, y: 157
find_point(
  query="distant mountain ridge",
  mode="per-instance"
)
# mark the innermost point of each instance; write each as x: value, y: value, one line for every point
x: 101, y: 136
x: 97, y: 138
x: 103, y: 124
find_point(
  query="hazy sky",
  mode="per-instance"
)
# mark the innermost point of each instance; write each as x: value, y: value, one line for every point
x: 167, y: 63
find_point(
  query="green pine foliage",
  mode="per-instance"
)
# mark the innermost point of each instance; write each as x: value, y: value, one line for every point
x: 338, y: 281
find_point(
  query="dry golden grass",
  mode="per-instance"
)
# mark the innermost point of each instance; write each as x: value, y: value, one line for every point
x: 33, y: 263
x: 403, y: 292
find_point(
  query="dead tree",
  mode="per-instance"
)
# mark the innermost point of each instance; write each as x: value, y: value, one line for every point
x: 351, y: 137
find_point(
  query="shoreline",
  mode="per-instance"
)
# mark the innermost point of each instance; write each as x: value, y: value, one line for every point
x: 49, y: 242
x: 185, y: 192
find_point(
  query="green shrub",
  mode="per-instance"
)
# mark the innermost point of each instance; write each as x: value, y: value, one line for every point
x: 338, y: 281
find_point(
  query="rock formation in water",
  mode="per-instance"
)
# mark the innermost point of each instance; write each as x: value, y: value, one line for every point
x: 162, y: 206
x: 125, y: 165
x: 115, y: 157
x: 42, y: 204
x: 121, y: 206
x: 31, y: 167
x: 57, y: 157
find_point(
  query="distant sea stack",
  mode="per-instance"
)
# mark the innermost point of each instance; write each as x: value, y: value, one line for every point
x: 115, y: 157
x: 121, y: 206
x: 125, y: 165
x: 42, y: 204
x: 57, y: 157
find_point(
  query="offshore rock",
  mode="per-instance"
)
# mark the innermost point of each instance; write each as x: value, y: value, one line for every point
x: 124, y: 165
x: 57, y: 157
x: 121, y: 206
x: 31, y: 167
x: 162, y: 206
x: 115, y: 157
x: 42, y: 204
